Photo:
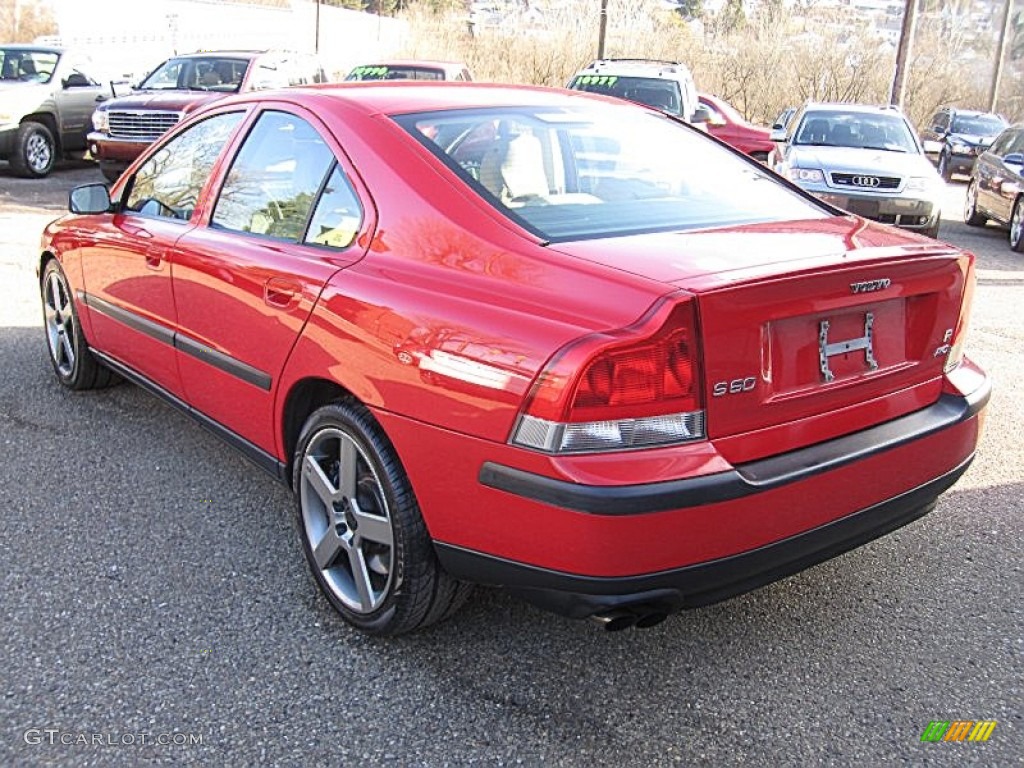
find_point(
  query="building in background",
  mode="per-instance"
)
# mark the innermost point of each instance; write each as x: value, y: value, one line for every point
x: 128, y: 39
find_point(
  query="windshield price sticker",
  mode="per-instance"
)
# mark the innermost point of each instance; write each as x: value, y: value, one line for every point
x: 606, y: 81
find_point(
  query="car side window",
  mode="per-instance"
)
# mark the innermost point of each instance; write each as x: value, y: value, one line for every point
x: 274, y: 178
x: 338, y: 213
x: 1002, y: 141
x: 1015, y: 145
x: 941, y: 121
x: 169, y: 183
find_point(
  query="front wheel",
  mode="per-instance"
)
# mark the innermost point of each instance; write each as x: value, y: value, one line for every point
x: 362, y: 531
x: 1017, y: 226
x: 944, y: 170
x: 971, y: 215
x: 35, y: 151
x: 70, y: 356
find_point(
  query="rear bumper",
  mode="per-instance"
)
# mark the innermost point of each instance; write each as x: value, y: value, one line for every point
x: 755, y: 523
x: 697, y: 585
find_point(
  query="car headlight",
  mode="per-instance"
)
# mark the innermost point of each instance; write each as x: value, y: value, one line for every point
x: 959, y: 148
x: 808, y: 175
x: 101, y: 120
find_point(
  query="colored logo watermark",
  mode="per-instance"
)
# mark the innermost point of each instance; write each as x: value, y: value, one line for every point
x: 958, y: 730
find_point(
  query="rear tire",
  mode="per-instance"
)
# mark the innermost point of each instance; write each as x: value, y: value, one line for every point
x: 35, y: 152
x: 72, y: 360
x: 1017, y: 226
x: 361, y: 527
x: 971, y: 215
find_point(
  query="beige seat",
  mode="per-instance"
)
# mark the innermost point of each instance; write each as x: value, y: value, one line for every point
x: 513, y: 170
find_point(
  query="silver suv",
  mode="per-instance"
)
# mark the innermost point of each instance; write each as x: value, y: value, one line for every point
x: 864, y: 159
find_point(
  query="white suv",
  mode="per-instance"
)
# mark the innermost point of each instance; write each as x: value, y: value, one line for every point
x: 664, y: 85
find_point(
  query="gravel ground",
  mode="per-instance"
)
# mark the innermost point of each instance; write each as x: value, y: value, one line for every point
x: 154, y: 585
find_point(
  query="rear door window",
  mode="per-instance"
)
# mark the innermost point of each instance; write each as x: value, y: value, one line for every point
x: 275, y: 179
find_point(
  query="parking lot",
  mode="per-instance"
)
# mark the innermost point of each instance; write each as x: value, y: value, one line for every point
x: 154, y: 588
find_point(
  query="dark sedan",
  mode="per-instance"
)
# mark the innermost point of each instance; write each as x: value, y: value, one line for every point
x: 996, y: 190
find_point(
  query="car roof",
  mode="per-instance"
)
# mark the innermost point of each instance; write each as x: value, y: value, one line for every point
x: 395, y: 97
x: 435, y: 63
x: 242, y: 54
x: 31, y: 47
x: 839, y: 106
x: 647, y: 67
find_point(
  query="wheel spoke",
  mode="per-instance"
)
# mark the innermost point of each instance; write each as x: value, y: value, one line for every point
x: 321, y: 486
x: 373, y: 527
x: 69, y: 353
x: 348, y: 469
x: 361, y: 578
x: 327, y: 549
x: 54, y: 292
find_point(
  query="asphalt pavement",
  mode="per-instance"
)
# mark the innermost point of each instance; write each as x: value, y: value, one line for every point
x: 156, y: 608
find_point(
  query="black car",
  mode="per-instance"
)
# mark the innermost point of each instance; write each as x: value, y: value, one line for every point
x: 957, y: 136
x: 996, y: 191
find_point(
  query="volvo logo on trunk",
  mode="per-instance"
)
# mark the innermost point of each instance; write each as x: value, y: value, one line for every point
x: 865, y: 181
x: 867, y: 286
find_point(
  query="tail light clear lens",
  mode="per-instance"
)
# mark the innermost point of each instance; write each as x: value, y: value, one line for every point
x: 956, y: 350
x: 635, y: 388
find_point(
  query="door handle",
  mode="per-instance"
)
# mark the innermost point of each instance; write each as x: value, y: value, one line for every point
x: 280, y: 292
x: 155, y: 257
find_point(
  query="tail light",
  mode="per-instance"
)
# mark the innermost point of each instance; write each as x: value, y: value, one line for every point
x: 956, y: 349
x: 634, y: 388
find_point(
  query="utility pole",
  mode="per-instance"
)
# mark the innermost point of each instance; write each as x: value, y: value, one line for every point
x: 316, y: 44
x: 899, y: 82
x: 602, y: 29
x: 997, y: 74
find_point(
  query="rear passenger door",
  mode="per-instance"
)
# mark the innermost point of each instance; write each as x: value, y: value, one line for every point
x: 286, y: 218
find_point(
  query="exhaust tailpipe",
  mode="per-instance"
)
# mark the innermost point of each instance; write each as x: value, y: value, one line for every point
x: 616, y: 620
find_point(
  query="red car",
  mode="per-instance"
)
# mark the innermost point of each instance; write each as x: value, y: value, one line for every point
x: 728, y: 125
x: 522, y: 337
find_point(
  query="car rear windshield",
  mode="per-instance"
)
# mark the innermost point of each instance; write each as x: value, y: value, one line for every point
x: 653, y: 91
x: 207, y: 73
x: 979, y: 125
x: 867, y: 130
x: 603, y: 171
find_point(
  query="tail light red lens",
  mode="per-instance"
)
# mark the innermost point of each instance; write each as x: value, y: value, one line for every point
x: 633, y: 388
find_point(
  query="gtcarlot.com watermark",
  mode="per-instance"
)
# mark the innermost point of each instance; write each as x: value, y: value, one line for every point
x: 55, y: 737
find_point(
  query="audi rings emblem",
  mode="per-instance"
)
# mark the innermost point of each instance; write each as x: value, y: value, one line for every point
x: 865, y: 181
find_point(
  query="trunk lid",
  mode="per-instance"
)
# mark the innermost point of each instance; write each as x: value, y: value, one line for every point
x: 816, y: 332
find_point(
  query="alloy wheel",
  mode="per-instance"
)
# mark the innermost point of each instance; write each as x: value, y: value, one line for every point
x: 38, y: 153
x: 1017, y: 227
x: 60, y: 324
x: 346, y: 520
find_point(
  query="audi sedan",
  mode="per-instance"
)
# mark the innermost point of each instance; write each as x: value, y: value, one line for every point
x: 521, y: 337
x: 864, y: 159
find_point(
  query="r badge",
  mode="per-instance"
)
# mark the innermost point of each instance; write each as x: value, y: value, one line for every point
x: 827, y: 350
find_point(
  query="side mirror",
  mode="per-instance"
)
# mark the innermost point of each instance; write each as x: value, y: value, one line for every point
x: 701, y: 115
x: 76, y: 80
x: 779, y: 136
x: 1014, y: 158
x: 89, y: 199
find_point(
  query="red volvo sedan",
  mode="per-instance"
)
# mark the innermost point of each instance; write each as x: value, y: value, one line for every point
x: 523, y: 337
